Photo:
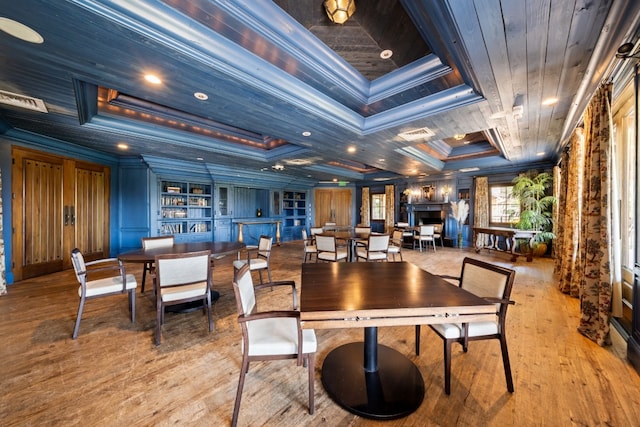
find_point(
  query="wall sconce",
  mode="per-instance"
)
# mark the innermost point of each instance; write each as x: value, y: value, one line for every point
x: 339, y: 11
x: 446, y: 190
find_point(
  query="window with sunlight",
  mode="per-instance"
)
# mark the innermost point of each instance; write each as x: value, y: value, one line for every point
x: 504, y: 207
x: 378, y: 203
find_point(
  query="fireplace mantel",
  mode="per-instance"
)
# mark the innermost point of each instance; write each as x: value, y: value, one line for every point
x: 421, y: 207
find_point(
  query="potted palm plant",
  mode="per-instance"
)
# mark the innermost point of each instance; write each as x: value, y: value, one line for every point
x: 532, y: 190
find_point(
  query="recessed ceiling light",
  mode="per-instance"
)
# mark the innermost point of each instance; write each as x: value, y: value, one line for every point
x: 382, y: 160
x: 151, y: 78
x: 299, y: 162
x: 386, y: 54
x: 199, y: 159
x: 459, y: 136
x: 352, y: 149
x: 469, y: 169
x: 20, y: 31
x: 540, y: 153
x: 335, y: 179
x: 123, y: 146
x: 550, y: 101
x: 306, y: 133
x: 201, y: 96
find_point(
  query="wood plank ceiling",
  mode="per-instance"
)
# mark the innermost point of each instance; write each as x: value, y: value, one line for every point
x: 274, y: 71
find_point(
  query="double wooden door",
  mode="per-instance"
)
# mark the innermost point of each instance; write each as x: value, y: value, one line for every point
x: 332, y: 205
x: 57, y: 204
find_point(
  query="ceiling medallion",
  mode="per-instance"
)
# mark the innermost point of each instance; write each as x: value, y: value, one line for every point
x: 339, y: 11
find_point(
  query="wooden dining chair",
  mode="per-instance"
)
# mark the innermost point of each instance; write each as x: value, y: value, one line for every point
x: 426, y: 235
x: 407, y: 233
x: 111, y: 278
x: 328, y: 249
x: 395, y: 244
x: 374, y: 248
x: 308, y: 246
x: 153, y: 243
x: 494, y: 284
x: 269, y: 335
x: 258, y: 257
x: 182, y: 278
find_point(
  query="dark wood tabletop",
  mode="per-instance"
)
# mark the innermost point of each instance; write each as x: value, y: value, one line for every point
x: 339, y: 295
x: 367, y: 378
x: 217, y: 249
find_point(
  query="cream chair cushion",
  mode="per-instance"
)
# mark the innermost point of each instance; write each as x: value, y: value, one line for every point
x: 108, y: 285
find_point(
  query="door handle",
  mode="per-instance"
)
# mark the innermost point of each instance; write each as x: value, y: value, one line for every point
x: 66, y: 215
x: 73, y: 215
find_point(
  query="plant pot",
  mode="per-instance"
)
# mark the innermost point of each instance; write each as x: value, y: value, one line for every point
x: 539, y: 249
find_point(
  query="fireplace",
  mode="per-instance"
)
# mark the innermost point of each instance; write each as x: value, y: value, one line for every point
x: 429, y: 214
x: 428, y: 218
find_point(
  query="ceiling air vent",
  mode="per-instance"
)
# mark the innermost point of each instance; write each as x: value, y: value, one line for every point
x: 413, y: 135
x: 22, y: 101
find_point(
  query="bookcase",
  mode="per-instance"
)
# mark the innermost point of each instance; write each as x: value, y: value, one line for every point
x: 294, y: 209
x: 185, y: 210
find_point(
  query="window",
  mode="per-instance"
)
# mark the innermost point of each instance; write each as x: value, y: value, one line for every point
x: 504, y: 208
x: 378, y: 203
x: 625, y: 151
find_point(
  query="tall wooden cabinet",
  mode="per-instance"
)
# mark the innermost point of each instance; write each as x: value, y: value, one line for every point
x: 58, y: 204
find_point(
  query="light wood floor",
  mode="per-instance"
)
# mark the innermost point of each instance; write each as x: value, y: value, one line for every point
x: 114, y: 375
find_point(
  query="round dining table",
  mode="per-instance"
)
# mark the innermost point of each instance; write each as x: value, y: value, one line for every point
x: 218, y: 250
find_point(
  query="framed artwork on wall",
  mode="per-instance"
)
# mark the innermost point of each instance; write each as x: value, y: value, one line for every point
x: 429, y: 192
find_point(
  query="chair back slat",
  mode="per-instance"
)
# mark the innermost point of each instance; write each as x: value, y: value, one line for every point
x: 362, y: 230
x: 264, y: 246
x: 378, y: 242
x: 486, y: 280
x: 79, y: 266
x: 316, y: 230
x: 245, y: 294
x: 191, y: 267
x: 325, y: 243
x: 157, y: 242
x: 426, y: 230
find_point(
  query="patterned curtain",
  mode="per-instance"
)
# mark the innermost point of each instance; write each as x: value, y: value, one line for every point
x: 481, y: 207
x: 3, y: 274
x: 595, y: 247
x: 364, y: 207
x: 567, y: 242
x: 389, y: 191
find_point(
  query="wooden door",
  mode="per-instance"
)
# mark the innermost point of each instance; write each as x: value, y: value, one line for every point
x: 332, y: 205
x: 90, y: 208
x: 58, y: 204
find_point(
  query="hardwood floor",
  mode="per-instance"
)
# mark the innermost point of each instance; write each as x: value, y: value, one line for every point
x: 114, y: 375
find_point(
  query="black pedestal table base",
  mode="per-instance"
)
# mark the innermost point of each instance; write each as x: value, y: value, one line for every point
x: 394, y: 390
